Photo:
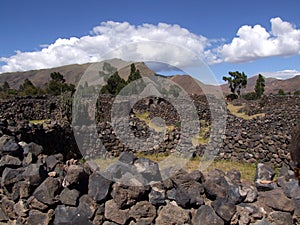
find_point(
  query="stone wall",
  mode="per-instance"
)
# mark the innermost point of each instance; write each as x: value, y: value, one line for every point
x: 262, y: 139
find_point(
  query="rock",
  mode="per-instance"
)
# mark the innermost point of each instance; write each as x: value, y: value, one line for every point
x: 182, y: 197
x: 47, y: 191
x: 11, y: 176
x: 21, y: 208
x: 69, y: 215
x: 148, y: 169
x: 126, y: 196
x: 157, y: 196
x: 34, y: 174
x: 206, y: 215
x: 143, y: 212
x: 37, y: 217
x: 197, y: 176
x: 127, y: 157
x: 225, y: 209
x: 280, y: 218
x: 3, y: 216
x: 262, y: 222
x: 36, y: 204
x: 9, y: 146
x: 113, y: 213
x: 246, y: 213
x: 277, y: 200
x: 98, y: 187
x: 87, y: 206
x: 75, y: 173
x: 10, y: 161
x: 264, y: 173
x: 51, y: 162
x: 7, y: 206
x: 172, y: 214
x: 251, y: 193
x: 216, y: 186
x: 33, y: 148
x: 69, y: 197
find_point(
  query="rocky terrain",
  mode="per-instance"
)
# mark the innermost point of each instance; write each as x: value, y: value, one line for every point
x: 45, y: 181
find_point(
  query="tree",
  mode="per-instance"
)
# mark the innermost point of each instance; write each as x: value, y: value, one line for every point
x: 114, y: 84
x: 5, y: 86
x: 236, y: 82
x: 260, y: 86
x: 28, y: 88
x: 281, y: 92
x: 57, y: 84
x: 135, y: 76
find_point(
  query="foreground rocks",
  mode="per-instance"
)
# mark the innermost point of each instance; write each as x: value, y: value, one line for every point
x: 50, y: 190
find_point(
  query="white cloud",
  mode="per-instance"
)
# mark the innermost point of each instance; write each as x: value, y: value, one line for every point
x: 256, y: 42
x: 284, y: 74
x: 107, y: 37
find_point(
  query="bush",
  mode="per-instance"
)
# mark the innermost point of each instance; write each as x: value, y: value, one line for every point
x: 250, y: 96
x: 231, y: 97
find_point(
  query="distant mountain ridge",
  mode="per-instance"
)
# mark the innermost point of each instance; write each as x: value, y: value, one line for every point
x: 73, y: 73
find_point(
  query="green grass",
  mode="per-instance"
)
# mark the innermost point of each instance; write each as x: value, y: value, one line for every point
x: 234, y: 110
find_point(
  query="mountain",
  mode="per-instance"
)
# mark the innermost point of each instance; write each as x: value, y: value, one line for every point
x: 73, y: 73
x: 272, y: 85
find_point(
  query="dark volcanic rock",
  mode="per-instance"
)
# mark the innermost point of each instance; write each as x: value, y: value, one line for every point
x: 126, y: 196
x: 70, y: 215
x: 172, y: 214
x: 143, y: 212
x: 115, y: 214
x: 47, y: 191
x: 99, y: 187
x: 8, y: 145
x: 224, y: 209
x: 206, y: 215
x: 37, y: 217
x: 148, y: 169
x: 69, y: 197
x: 277, y: 200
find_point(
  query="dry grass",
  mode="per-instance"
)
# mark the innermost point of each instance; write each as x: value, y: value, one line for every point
x: 37, y: 122
x: 234, y: 110
x: 146, y: 118
x: 247, y: 170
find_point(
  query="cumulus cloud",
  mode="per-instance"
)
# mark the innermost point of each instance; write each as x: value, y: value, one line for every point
x: 109, y: 36
x: 256, y: 42
x: 284, y: 74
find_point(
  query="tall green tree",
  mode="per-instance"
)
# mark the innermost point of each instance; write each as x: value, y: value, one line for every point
x: 236, y: 81
x: 260, y: 86
x: 114, y: 84
x: 57, y: 84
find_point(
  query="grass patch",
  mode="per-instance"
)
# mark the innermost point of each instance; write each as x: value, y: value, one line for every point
x: 146, y: 118
x: 234, y: 110
x: 247, y: 170
x: 38, y: 122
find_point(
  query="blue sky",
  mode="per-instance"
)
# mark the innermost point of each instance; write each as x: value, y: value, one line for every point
x: 250, y: 36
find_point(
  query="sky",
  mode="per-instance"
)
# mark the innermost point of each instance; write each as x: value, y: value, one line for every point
x: 248, y: 36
